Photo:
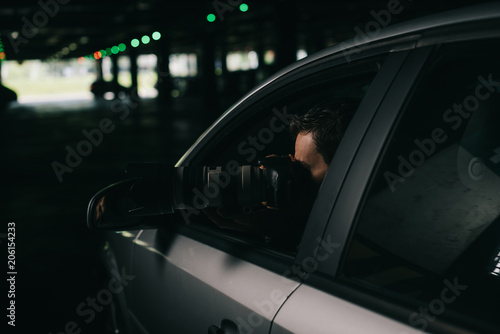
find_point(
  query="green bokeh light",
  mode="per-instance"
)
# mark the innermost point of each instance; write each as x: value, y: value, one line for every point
x: 115, y: 49
x: 243, y: 7
x: 145, y: 39
x: 122, y: 47
x: 135, y: 43
x: 210, y: 17
x: 156, y: 35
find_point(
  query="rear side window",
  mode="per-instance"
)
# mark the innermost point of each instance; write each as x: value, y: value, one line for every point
x: 429, y: 229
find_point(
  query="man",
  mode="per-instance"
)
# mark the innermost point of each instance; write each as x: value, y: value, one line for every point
x: 317, y: 135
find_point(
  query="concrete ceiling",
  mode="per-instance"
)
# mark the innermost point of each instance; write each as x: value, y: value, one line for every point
x: 45, y: 29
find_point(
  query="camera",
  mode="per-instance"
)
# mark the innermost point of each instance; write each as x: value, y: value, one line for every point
x: 161, y: 188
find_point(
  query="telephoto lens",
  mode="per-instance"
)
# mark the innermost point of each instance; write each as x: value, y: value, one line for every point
x: 202, y: 187
x: 161, y: 188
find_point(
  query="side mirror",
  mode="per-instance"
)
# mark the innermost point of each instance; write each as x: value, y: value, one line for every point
x: 114, y: 208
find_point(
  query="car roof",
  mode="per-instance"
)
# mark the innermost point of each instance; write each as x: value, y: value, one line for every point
x: 469, y: 14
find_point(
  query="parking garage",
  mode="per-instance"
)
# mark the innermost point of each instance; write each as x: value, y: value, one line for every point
x: 89, y: 86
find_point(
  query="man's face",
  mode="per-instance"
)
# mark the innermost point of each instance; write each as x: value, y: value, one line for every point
x: 308, y: 155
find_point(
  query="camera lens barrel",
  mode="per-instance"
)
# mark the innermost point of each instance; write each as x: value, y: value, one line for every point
x: 251, y: 185
x: 202, y: 187
x: 163, y: 188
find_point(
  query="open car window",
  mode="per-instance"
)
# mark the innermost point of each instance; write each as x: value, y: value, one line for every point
x: 262, y: 130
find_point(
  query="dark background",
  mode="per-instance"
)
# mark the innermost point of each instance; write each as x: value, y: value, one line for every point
x: 55, y: 252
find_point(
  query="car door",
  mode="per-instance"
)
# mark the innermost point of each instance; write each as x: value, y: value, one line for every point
x: 416, y: 217
x: 193, y: 276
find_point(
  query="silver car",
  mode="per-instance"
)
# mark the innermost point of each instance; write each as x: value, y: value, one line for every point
x: 403, y: 236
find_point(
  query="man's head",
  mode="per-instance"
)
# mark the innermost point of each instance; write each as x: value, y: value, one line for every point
x: 318, y: 133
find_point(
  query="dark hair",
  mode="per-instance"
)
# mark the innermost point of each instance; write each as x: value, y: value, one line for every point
x: 327, y: 122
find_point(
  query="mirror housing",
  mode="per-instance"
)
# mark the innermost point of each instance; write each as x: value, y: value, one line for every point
x: 114, y: 208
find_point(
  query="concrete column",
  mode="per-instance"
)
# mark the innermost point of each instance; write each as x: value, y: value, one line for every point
x: 98, y: 68
x: 262, y: 71
x: 114, y: 68
x: 224, y: 77
x: 287, y: 30
x: 165, y: 84
x: 133, y: 71
x: 207, y: 67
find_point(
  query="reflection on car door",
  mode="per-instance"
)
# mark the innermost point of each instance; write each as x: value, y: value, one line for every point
x: 185, y: 286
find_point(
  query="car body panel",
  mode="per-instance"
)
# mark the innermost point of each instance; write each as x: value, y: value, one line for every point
x: 118, y: 254
x: 119, y: 307
x: 310, y: 310
x: 187, y: 279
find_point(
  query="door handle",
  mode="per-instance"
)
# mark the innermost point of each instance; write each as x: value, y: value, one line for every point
x: 215, y: 330
x: 226, y: 327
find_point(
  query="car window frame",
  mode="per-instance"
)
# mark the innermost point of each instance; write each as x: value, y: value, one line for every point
x: 366, y: 157
x: 345, y: 155
x: 354, y: 183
